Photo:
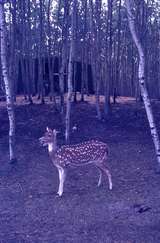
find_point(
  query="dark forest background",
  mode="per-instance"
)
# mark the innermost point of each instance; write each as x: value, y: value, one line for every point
x: 105, y: 58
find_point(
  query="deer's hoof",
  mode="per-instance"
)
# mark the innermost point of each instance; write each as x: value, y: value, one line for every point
x: 59, y: 194
x: 99, y: 184
x: 110, y: 187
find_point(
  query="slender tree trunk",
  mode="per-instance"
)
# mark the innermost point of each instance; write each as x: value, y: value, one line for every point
x: 50, y: 62
x: 108, y: 81
x: 141, y: 77
x: 22, y: 43
x: 84, y: 50
x: 13, y: 62
x: 63, y: 53
x: 110, y: 51
x: 83, y: 74
x: 8, y: 86
x: 95, y: 29
x: 75, y: 83
x: 118, y: 54
x: 70, y: 73
x: 98, y: 5
x: 40, y: 58
x: 29, y: 53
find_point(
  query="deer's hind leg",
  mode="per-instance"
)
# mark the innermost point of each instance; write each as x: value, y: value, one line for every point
x: 106, y: 171
x: 100, y: 178
x: 102, y: 168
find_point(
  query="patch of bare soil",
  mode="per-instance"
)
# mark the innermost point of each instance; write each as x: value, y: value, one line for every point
x: 29, y: 208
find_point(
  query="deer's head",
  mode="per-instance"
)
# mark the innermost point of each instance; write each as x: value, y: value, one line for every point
x: 49, y: 137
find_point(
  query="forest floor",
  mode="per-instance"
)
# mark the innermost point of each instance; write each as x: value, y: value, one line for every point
x: 29, y: 208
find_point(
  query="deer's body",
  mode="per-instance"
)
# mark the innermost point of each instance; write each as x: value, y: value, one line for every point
x: 80, y: 154
x: 90, y: 152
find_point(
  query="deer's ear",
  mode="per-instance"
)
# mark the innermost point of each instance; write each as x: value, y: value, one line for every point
x: 48, y: 129
x: 55, y: 131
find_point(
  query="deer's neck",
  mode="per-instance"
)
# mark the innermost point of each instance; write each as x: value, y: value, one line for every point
x: 52, y: 147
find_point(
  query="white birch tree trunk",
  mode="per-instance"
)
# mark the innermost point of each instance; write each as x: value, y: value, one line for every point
x: 70, y: 73
x: 95, y: 29
x: 63, y: 54
x: 8, y: 86
x: 13, y: 61
x: 141, y: 78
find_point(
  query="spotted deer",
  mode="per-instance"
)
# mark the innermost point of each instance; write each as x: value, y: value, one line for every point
x: 89, y: 152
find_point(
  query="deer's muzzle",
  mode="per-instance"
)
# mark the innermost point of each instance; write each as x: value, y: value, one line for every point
x: 42, y: 141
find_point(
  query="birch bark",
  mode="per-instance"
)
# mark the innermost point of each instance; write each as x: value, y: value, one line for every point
x: 40, y: 57
x: 109, y: 51
x: 70, y: 73
x: 118, y: 55
x: 63, y: 53
x: 95, y: 29
x: 8, y: 86
x: 13, y: 61
x: 141, y: 77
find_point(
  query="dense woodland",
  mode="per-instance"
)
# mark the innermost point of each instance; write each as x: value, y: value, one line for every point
x: 105, y: 60
x: 91, y: 47
x: 57, y: 47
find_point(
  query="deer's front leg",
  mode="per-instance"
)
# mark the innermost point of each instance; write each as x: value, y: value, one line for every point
x: 62, y: 176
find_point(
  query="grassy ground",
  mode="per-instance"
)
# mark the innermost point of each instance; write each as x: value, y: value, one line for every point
x: 29, y: 208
